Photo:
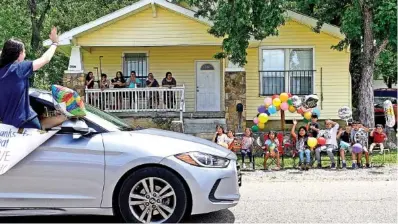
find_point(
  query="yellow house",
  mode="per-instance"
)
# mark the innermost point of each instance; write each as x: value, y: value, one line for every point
x: 156, y: 36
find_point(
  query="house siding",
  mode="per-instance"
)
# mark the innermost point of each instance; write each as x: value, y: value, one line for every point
x: 142, y: 29
x: 178, y: 60
x: 335, y: 68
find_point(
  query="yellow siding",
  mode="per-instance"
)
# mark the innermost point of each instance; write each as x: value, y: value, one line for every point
x: 335, y: 65
x: 142, y: 29
x: 178, y: 60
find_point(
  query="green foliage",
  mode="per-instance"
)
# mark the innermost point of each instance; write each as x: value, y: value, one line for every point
x: 240, y: 20
x: 386, y: 66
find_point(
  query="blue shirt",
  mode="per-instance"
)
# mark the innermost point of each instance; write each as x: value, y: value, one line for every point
x: 14, y: 93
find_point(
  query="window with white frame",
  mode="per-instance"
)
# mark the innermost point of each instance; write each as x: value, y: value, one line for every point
x: 286, y: 70
x: 137, y: 62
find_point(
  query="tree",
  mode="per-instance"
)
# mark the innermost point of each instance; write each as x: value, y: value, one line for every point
x: 386, y: 66
x: 237, y: 21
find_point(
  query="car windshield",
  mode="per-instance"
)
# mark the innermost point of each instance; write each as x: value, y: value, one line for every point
x: 110, y: 119
x: 380, y: 100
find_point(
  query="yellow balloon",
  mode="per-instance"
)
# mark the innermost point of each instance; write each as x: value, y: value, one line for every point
x: 284, y: 97
x: 261, y: 125
x: 312, y: 142
x: 307, y: 115
x: 263, y: 118
x: 276, y: 102
x: 292, y: 109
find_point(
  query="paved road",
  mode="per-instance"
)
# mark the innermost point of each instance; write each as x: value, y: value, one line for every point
x: 268, y: 198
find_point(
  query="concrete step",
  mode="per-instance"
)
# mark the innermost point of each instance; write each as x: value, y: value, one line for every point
x: 202, y: 126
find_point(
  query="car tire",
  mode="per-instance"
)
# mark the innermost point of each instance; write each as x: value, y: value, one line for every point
x: 135, y: 198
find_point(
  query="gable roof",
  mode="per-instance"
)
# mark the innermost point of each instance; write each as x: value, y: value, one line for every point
x: 65, y: 38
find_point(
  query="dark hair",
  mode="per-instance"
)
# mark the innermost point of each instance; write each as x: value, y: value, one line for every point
x: 379, y: 126
x: 88, y: 76
x: 168, y: 73
x: 132, y: 72
x: 314, y: 115
x: 121, y: 76
x: 219, y: 126
x: 271, y: 132
x: 12, y: 48
x: 103, y: 75
x: 298, y: 133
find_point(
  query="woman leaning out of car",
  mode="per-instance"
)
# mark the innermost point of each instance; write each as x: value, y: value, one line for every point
x: 15, y: 72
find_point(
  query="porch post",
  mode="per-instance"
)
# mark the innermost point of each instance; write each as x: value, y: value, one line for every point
x: 74, y: 76
x: 235, y: 93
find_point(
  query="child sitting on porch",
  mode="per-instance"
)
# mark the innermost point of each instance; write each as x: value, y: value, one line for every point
x: 301, y: 145
x: 247, y: 146
x: 271, y: 149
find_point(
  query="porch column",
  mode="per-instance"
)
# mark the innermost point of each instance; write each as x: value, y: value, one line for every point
x: 74, y: 76
x: 235, y: 93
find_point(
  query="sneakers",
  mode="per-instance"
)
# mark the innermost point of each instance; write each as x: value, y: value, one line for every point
x: 333, y: 166
x: 354, y: 165
x: 302, y: 166
x: 307, y: 167
x: 344, y: 166
x: 250, y: 165
x: 319, y: 166
x: 244, y: 166
x: 381, y: 152
x: 367, y: 165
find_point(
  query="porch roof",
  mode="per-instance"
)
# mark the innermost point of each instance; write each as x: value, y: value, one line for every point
x: 67, y: 37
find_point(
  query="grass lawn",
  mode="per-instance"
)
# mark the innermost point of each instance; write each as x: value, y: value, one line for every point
x: 377, y: 160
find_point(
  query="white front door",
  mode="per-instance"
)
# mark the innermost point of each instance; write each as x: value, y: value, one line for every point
x: 208, y: 89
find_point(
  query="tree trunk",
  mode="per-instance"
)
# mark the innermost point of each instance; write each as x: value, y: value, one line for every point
x: 366, y: 96
x: 356, y: 72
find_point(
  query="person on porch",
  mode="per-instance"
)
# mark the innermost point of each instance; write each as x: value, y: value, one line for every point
x: 104, y: 98
x: 132, y: 84
x: 153, y: 100
x: 118, y: 82
x: 168, y: 97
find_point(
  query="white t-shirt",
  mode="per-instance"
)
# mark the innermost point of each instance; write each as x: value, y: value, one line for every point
x: 331, y: 138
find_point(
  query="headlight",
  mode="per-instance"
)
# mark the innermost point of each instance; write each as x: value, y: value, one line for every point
x: 203, y: 160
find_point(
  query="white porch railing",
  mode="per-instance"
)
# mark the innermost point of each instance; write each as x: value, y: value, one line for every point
x: 161, y: 99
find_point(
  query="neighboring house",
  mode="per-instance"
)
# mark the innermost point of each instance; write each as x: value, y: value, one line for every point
x: 157, y: 36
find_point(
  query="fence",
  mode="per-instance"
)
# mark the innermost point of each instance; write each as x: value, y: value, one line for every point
x: 162, y: 99
x: 296, y: 82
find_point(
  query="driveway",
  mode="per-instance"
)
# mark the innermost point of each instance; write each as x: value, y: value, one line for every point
x: 316, y: 196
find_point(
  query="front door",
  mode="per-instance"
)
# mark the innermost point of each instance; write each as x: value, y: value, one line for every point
x: 208, y: 87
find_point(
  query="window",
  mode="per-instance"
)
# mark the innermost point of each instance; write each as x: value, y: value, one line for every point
x: 137, y: 62
x: 286, y: 70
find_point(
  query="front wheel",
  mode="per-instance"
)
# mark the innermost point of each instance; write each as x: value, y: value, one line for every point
x: 153, y: 194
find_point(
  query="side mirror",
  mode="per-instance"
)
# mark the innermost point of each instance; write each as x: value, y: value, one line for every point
x: 76, y: 127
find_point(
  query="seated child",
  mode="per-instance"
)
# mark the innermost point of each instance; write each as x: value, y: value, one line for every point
x: 247, y: 145
x: 331, y: 143
x: 301, y: 145
x: 271, y: 149
x: 345, y: 139
x: 359, y: 134
x: 313, y: 126
x: 378, y: 138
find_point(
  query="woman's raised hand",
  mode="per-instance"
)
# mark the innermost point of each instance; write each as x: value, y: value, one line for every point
x: 54, y: 35
x: 294, y: 121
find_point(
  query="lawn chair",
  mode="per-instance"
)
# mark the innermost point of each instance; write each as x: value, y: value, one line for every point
x: 377, y: 149
x: 272, y: 161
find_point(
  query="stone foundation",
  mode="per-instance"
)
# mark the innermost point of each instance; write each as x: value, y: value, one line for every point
x: 235, y: 92
x: 75, y: 81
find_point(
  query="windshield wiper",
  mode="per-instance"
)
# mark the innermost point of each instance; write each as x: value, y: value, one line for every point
x: 128, y: 129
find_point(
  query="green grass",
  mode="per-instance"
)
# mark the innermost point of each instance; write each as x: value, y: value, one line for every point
x: 377, y: 160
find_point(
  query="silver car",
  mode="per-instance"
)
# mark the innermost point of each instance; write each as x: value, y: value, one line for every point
x: 102, y: 166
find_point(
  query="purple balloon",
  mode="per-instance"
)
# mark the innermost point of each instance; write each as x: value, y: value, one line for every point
x: 261, y: 109
x: 268, y: 113
x: 357, y: 148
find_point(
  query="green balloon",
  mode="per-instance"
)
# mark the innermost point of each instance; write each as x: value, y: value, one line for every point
x: 255, y: 128
x: 289, y: 101
x: 306, y: 121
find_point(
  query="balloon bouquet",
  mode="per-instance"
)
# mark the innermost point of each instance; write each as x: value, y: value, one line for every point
x: 285, y: 102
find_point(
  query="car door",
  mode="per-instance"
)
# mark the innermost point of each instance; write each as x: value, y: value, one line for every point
x: 63, y: 172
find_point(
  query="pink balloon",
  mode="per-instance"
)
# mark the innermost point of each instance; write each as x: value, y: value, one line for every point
x: 268, y: 101
x: 284, y: 106
x: 255, y: 120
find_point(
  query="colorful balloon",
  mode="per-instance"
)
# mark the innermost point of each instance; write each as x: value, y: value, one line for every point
x: 263, y: 118
x: 289, y: 101
x: 284, y: 106
x: 310, y: 101
x: 307, y: 115
x: 357, y: 148
x: 305, y: 121
x: 292, y: 109
x: 275, y: 96
x: 300, y: 111
x: 267, y: 101
x: 272, y: 109
x: 261, y: 126
x: 261, y: 109
x: 284, y: 97
x: 296, y: 101
x: 255, y: 120
x: 312, y: 142
x: 321, y: 141
x: 276, y: 102
x: 289, y: 94
x: 255, y: 128
x: 316, y: 111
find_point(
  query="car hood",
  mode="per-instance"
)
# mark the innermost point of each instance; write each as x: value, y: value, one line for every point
x: 173, y: 143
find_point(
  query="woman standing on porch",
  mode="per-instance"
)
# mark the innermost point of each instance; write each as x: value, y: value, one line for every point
x: 168, y: 97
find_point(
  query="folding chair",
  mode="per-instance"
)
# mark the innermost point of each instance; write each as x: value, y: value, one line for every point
x: 377, y: 149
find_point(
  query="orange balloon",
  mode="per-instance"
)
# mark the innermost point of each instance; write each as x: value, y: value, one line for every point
x: 292, y: 109
x: 284, y: 97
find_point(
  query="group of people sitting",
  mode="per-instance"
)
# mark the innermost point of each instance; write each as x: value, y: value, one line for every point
x: 132, y: 81
x: 337, y: 140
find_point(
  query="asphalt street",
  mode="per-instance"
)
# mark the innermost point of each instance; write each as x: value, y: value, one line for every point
x: 267, y: 197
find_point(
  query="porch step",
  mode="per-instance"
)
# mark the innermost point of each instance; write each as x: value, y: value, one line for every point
x: 203, y: 127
